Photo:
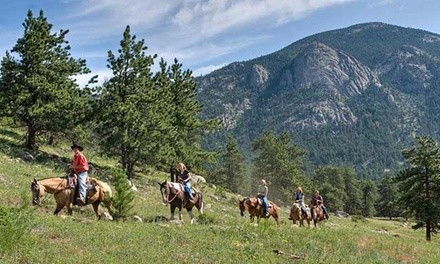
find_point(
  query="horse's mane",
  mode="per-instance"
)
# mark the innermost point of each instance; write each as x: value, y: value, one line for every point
x: 47, y: 178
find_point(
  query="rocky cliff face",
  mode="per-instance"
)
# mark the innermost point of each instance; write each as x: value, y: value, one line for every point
x: 374, y: 84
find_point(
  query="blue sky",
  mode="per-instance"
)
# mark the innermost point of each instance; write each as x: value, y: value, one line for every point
x: 205, y: 34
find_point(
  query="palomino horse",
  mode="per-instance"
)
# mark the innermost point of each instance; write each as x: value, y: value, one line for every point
x: 297, y: 215
x: 255, y: 209
x: 318, y: 215
x: 63, y: 194
x: 174, y: 195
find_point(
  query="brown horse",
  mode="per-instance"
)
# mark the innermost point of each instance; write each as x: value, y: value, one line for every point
x: 63, y: 194
x: 318, y: 215
x: 297, y: 215
x: 174, y: 195
x: 255, y: 209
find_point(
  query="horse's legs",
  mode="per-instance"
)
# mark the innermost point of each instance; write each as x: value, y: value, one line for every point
x: 172, y: 210
x: 191, y: 215
x: 96, y: 208
x: 58, y: 209
x: 69, y: 208
x: 180, y: 214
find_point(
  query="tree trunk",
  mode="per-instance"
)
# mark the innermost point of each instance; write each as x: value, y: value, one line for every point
x: 172, y: 174
x: 428, y: 230
x: 31, y: 142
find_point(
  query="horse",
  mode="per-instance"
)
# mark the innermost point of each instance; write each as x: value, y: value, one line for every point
x: 64, y: 194
x: 297, y: 215
x: 255, y: 209
x: 174, y: 195
x: 318, y: 215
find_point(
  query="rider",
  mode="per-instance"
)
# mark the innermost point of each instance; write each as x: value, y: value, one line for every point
x: 299, y: 197
x: 80, y: 167
x: 262, y: 193
x: 184, y: 177
x: 317, y: 200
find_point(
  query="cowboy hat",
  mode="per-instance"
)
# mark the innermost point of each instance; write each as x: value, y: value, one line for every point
x: 76, y: 146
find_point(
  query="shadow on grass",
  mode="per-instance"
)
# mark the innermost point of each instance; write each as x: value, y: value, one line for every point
x: 15, y: 150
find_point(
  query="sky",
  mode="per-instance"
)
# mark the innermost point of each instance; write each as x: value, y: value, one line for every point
x: 204, y: 35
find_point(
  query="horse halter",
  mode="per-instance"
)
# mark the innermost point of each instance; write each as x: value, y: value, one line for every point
x: 37, y: 193
x: 165, y: 190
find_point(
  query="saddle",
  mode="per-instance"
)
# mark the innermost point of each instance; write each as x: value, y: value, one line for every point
x: 260, y: 202
x: 72, y: 183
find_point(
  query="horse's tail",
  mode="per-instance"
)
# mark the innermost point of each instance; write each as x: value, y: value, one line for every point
x: 200, y: 202
x: 106, y: 194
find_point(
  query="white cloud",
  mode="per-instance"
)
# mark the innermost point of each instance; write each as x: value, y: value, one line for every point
x: 103, y: 75
x: 207, y: 69
x: 191, y: 30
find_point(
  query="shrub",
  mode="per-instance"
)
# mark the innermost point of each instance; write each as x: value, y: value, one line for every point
x: 14, y: 224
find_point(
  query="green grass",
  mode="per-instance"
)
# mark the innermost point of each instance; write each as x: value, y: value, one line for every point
x: 220, y: 236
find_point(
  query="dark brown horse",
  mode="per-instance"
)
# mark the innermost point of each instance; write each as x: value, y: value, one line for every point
x: 318, y: 215
x: 174, y: 195
x: 256, y: 210
x: 297, y: 215
x: 63, y: 194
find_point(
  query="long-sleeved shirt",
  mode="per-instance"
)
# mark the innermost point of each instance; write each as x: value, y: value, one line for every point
x: 80, y: 163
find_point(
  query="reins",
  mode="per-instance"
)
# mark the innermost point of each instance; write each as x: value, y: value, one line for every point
x: 177, y: 193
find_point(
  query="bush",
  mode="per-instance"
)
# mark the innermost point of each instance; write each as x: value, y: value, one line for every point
x: 124, y: 197
x: 14, y: 224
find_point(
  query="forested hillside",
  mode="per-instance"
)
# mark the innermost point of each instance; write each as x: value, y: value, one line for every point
x: 352, y: 97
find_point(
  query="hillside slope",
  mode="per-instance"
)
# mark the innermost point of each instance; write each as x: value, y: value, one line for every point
x: 354, y: 96
x: 220, y: 236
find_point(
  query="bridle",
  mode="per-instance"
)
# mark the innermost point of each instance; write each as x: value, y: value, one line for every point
x: 36, y: 187
x: 168, y: 193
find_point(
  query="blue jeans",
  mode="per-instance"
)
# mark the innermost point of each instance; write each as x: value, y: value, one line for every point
x: 187, y: 187
x: 265, y: 204
x: 82, y: 186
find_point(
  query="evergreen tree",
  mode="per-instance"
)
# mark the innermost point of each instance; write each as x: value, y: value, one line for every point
x: 124, y: 196
x: 37, y: 90
x: 232, y: 171
x: 419, y: 185
x: 352, y: 188
x: 187, y: 127
x: 340, y: 188
x: 330, y: 183
x: 387, y: 204
x: 131, y: 124
x: 369, y: 198
x: 280, y: 162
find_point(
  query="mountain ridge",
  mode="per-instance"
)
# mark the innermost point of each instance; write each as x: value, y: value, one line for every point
x: 343, y: 95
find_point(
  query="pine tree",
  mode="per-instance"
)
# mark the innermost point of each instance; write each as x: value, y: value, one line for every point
x: 124, y: 196
x: 369, y: 198
x: 352, y: 188
x: 131, y: 124
x: 232, y: 171
x: 330, y: 183
x: 37, y: 90
x: 419, y: 185
x: 280, y: 162
x: 387, y: 204
x: 186, y: 124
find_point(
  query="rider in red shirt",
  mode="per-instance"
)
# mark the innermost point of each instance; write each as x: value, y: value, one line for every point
x: 80, y: 168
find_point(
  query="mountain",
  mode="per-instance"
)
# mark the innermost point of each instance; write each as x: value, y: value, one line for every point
x: 354, y: 97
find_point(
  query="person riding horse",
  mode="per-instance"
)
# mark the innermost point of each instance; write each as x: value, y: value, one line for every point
x: 317, y: 200
x: 299, y: 197
x: 184, y: 177
x: 262, y: 194
x: 80, y: 167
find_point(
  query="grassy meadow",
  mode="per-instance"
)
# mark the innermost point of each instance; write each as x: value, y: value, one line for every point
x: 221, y: 235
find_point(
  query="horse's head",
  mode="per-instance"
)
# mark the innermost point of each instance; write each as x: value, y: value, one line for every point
x: 37, y: 192
x: 242, y: 205
x: 165, y: 190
